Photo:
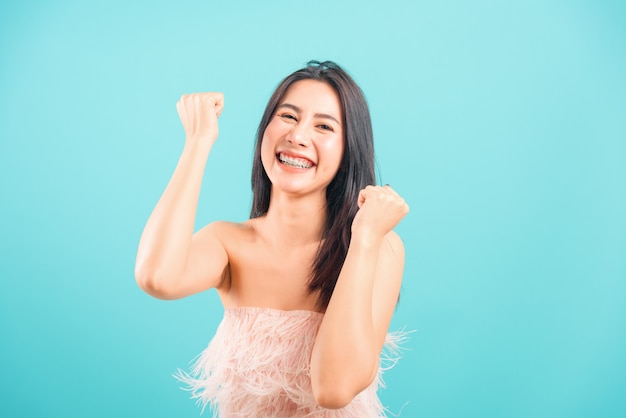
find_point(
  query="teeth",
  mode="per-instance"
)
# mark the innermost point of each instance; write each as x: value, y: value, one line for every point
x: 294, y: 162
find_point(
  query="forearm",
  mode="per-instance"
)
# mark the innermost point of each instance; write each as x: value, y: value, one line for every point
x: 166, y: 239
x: 345, y: 355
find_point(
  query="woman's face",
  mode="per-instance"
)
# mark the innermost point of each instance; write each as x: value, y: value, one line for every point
x: 303, y: 143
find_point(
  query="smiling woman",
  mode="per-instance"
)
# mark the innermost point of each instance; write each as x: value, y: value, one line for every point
x: 310, y: 282
x: 301, y: 147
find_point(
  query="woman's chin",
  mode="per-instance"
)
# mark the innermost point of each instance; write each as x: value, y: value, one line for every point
x: 296, y: 188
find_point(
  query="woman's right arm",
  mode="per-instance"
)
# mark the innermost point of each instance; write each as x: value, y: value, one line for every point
x: 172, y: 261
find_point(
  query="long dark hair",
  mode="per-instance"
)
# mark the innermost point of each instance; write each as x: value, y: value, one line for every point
x: 356, y: 171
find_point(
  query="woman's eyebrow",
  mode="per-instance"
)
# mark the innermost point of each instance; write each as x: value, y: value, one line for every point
x: 317, y: 115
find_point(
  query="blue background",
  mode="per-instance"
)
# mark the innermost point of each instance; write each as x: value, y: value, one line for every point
x: 501, y: 123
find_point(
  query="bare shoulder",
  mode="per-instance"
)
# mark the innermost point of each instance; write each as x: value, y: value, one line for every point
x: 226, y: 231
x: 230, y: 236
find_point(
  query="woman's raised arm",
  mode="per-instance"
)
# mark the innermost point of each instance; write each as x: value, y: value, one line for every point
x: 172, y: 261
x: 350, y: 339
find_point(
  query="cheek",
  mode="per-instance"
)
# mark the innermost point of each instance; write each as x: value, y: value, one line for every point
x: 333, y: 150
x: 266, y: 151
x: 340, y: 150
x: 273, y: 132
x: 273, y: 129
x: 269, y: 133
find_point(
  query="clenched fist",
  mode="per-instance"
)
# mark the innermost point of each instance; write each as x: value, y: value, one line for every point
x: 380, y: 210
x: 198, y: 113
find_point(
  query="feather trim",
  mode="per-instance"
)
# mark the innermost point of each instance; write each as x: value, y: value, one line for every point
x: 257, y: 365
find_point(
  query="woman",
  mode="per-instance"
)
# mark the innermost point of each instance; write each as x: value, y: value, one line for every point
x: 310, y: 282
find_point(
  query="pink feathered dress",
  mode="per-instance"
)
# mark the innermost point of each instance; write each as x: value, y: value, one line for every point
x: 257, y: 365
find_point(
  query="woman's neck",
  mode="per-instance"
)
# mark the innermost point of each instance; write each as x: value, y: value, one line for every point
x: 296, y: 220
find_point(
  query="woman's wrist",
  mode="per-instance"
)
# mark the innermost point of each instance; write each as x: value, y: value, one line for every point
x: 366, y: 238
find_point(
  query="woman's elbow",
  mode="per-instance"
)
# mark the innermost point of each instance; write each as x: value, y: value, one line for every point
x: 339, y: 393
x: 332, y: 398
x: 152, y: 286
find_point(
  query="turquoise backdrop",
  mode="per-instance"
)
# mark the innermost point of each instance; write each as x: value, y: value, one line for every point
x: 503, y: 124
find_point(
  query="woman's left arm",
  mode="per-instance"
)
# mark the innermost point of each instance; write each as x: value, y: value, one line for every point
x: 347, y: 349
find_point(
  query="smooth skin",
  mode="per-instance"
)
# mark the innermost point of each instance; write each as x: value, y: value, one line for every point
x: 266, y: 261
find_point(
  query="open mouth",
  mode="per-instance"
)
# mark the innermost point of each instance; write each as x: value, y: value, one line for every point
x: 295, y: 162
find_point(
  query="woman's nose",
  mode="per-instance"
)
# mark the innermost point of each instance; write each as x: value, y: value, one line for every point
x: 299, y: 135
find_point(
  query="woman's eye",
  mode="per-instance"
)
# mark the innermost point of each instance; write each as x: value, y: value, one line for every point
x: 326, y: 127
x: 288, y: 116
